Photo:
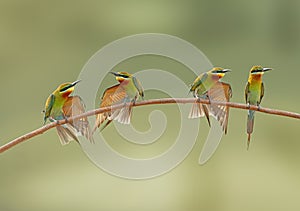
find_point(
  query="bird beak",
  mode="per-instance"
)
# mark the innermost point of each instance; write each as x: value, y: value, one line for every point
x: 75, y: 82
x: 226, y: 70
x: 115, y: 74
x: 266, y: 69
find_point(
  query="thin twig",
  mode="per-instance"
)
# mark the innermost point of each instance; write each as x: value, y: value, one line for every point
x: 43, y: 129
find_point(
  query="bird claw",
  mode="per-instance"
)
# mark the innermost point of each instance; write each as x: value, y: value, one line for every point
x: 66, y: 119
x: 248, y: 105
x: 258, y: 107
x: 208, y: 98
x: 133, y: 102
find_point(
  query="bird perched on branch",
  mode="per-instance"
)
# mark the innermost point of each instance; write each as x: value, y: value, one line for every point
x: 254, y: 93
x: 207, y: 86
x: 60, y: 105
x: 127, y: 91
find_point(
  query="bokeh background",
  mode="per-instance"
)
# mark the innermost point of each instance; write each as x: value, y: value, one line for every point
x: 45, y: 43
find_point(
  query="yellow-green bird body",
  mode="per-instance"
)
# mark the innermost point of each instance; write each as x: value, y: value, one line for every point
x: 200, y: 87
x: 204, y: 82
x: 254, y: 93
x: 131, y: 89
x: 60, y: 105
x: 127, y: 91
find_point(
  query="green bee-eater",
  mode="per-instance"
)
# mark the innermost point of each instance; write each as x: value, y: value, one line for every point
x: 60, y: 105
x: 128, y: 90
x: 200, y: 87
x: 254, y: 93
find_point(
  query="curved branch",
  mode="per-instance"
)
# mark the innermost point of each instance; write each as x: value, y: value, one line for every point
x: 43, y: 129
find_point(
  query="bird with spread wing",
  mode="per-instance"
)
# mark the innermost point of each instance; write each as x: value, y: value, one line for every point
x: 60, y: 105
x: 127, y: 91
x: 208, y: 86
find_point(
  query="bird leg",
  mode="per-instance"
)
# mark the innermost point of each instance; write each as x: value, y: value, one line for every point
x: 53, y: 120
x: 133, y: 101
x: 208, y: 98
x: 258, y: 106
x: 204, y: 97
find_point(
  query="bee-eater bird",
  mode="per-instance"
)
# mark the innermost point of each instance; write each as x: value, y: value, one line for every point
x: 127, y: 91
x: 254, y: 93
x: 200, y: 87
x: 60, y: 105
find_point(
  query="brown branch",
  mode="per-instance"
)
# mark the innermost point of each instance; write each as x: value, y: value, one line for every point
x: 43, y: 129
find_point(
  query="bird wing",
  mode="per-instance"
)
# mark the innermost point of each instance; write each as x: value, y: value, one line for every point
x: 48, y: 107
x: 247, y: 91
x: 262, y: 92
x: 113, y: 95
x: 198, y: 81
x: 74, y: 106
x: 138, y: 85
x: 199, y: 110
x: 220, y: 92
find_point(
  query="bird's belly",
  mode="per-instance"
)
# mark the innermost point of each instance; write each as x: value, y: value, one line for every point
x: 253, y: 98
x: 131, y: 91
x: 254, y: 95
x: 56, y: 112
x: 132, y: 94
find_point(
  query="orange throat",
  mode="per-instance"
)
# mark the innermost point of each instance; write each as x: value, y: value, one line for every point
x: 255, y: 77
x: 66, y: 94
x: 123, y: 81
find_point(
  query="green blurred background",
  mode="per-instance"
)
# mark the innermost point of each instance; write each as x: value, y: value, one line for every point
x: 45, y: 43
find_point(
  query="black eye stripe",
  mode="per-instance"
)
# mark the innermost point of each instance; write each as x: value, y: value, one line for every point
x: 65, y: 88
x: 256, y: 71
x: 218, y: 71
x: 124, y: 76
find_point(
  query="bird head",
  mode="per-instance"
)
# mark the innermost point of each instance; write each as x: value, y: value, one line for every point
x: 122, y: 76
x: 66, y: 89
x: 219, y: 71
x: 259, y: 70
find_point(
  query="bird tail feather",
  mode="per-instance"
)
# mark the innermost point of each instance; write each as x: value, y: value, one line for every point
x: 250, y: 123
x: 66, y: 134
x: 124, y: 115
x: 199, y: 110
x: 196, y: 111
